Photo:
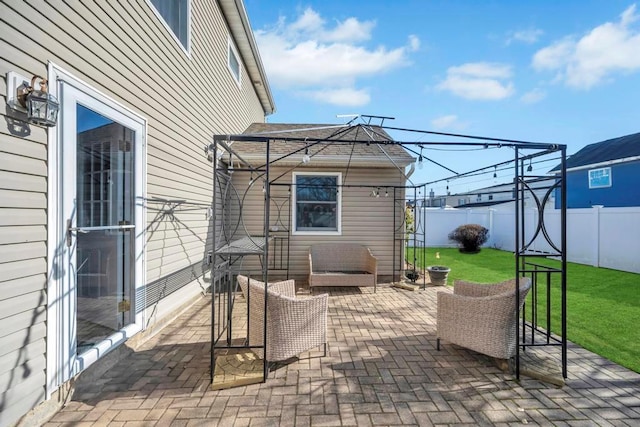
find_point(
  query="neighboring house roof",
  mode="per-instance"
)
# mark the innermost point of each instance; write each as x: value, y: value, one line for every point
x: 238, y: 22
x: 497, y: 188
x: 483, y: 204
x: 508, y: 187
x: 374, y: 146
x: 621, y: 148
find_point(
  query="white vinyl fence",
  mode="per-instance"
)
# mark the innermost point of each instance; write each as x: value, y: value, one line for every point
x: 602, y: 237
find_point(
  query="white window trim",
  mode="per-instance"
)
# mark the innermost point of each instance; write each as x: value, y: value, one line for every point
x: 57, y: 311
x: 186, y: 49
x: 600, y: 186
x: 231, y: 48
x: 294, y: 227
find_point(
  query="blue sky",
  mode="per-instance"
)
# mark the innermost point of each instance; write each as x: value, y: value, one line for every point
x: 563, y: 72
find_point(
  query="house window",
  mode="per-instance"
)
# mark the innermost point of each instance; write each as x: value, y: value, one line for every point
x: 176, y: 16
x: 600, y: 178
x: 316, y: 204
x: 234, y: 63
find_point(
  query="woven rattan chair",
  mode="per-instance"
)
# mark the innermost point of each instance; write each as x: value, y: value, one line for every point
x: 294, y: 325
x: 481, y: 317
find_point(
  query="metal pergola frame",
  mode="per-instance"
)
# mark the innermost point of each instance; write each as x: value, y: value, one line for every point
x: 528, y: 333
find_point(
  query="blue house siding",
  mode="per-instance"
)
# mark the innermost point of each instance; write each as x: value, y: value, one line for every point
x: 623, y: 192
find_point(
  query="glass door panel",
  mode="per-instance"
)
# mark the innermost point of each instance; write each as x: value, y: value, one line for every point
x: 105, y: 244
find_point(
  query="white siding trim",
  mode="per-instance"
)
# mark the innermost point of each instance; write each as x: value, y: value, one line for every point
x: 52, y: 357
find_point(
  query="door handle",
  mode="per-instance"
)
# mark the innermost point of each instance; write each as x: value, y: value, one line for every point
x: 125, y: 226
x: 70, y: 230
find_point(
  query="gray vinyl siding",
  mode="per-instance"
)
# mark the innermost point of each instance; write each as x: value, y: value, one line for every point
x: 23, y: 262
x: 124, y: 51
x: 365, y: 220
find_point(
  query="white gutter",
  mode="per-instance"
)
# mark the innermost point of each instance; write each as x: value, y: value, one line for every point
x: 396, y: 165
x: 601, y: 164
x: 271, y: 132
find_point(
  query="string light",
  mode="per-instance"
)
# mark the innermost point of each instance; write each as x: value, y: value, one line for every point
x: 306, y: 158
x: 529, y: 168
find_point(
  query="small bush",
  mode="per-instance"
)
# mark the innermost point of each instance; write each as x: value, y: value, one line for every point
x: 470, y: 237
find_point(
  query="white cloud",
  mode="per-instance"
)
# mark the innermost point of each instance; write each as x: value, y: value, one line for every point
x: 414, y: 43
x: 310, y: 25
x: 346, y: 97
x: 312, y: 63
x: 554, y: 56
x: 479, y: 81
x: 608, y: 49
x: 450, y: 121
x: 533, y: 96
x: 312, y: 57
x: 528, y: 36
x: 482, y: 69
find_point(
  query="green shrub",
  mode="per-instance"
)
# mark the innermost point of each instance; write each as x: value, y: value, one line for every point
x: 470, y: 237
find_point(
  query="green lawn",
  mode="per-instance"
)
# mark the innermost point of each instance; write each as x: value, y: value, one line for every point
x: 603, y: 305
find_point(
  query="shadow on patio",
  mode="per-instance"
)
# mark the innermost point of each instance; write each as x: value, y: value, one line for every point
x: 381, y: 368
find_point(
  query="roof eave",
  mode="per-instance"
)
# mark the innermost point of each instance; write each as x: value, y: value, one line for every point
x: 597, y: 165
x: 238, y: 21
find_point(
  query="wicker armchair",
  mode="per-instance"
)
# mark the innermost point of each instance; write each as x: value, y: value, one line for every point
x: 294, y: 325
x: 481, y: 317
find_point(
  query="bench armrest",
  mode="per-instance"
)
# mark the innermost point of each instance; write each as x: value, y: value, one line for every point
x: 371, y: 263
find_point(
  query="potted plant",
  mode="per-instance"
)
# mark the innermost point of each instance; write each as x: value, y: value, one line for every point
x: 438, y: 274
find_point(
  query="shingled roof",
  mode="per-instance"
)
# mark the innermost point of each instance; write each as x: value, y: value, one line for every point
x: 619, y: 148
x: 328, y: 144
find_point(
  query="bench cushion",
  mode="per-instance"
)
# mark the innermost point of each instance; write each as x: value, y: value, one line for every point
x: 341, y: 264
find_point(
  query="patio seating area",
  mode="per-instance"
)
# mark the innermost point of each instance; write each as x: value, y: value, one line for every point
x: 381, y: 368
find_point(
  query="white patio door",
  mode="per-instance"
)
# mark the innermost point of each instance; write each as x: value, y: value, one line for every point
x: 100, y: 223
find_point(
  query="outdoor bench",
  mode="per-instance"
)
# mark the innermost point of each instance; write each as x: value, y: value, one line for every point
x: 342, y: 264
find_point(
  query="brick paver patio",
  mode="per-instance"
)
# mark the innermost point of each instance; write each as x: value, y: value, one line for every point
x: 381, y: 368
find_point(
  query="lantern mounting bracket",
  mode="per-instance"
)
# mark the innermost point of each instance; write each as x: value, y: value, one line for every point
x: 40, y: 106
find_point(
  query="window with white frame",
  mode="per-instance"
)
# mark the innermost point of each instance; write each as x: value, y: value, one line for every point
x: 600, y: 178
x: 234, y: 62
x: 176, y: 16
x: 317, y: 203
